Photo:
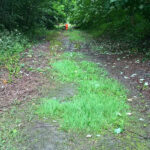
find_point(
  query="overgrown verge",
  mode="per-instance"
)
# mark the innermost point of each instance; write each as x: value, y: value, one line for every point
x: 11, y: 45
x: 18, y: 97
x: 100, y: 101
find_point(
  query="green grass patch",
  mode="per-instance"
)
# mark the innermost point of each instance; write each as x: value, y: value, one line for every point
x: 12, y: 126
x: 52, y: 34
x: 75, y: 36
x: 100, y: 102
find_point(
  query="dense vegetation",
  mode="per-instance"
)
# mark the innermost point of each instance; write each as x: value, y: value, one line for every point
x: 127, y: 19
x: 27, y: 15
x: 113, y: 15
x: 22, y: 20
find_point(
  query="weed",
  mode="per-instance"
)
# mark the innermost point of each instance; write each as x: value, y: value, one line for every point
x: 13, y: 66
x: 54, y: 46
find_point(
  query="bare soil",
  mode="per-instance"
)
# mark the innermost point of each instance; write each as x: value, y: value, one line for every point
x: 26, y: 86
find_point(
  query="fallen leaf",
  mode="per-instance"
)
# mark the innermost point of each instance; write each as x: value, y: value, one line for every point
x: 5, y: 81
x: 130, y: 99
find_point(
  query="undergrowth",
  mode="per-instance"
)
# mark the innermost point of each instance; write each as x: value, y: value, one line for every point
x: 99, y: 103
x: 11, y: 45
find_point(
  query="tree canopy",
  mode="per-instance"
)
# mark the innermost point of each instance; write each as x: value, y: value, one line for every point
x: 113, y: 16
x: 27, y: 14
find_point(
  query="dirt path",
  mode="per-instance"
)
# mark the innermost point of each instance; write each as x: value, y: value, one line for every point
x: 45, y: 134
x: 49, y: 136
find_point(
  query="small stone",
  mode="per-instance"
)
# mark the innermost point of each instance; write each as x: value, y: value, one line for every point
x: 89, y: 136
x: 130, y: 100
x: 98, y: 135
x: 54, y: 121
x: 126, y: 67
x: 121, y: 73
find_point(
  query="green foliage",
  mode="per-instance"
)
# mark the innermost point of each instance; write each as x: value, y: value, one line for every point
x: 99, y: 103
x: 11, y: 45
x: 128, y: 19
x: 75, y: 36
x: 13, y: 66
x: 29, y: 14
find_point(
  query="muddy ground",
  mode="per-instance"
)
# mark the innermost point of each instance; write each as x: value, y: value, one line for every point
x: 46, y: 135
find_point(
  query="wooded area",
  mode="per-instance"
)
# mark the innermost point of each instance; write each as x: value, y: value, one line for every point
x: 125, y: 19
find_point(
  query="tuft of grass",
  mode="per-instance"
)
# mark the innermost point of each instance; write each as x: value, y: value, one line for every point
x: 100, y: 101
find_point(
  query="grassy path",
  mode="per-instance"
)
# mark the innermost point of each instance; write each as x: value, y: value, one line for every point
x: 80, y: 106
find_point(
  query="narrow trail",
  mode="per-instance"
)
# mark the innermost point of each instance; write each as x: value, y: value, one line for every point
x: 45, y: 134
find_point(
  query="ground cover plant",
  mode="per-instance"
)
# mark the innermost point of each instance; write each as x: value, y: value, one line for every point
x: 100, y: 102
